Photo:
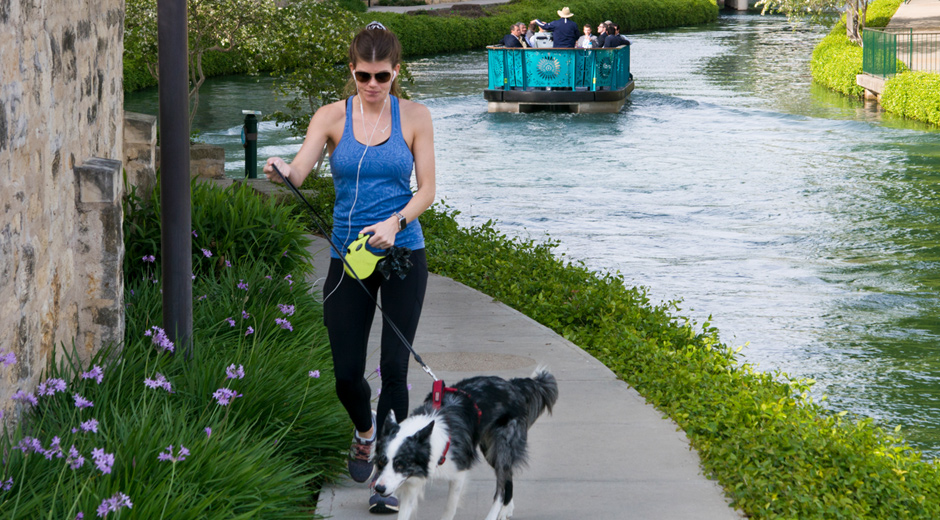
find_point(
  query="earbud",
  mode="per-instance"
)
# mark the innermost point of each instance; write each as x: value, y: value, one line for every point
x: 394, y: 75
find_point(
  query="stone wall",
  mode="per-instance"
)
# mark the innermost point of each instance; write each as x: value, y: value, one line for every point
x: 61, y: 107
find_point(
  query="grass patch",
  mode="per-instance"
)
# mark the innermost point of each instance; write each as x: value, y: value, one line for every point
x: 263, y: 455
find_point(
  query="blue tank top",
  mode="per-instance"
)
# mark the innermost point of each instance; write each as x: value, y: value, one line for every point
x: 383, y: 184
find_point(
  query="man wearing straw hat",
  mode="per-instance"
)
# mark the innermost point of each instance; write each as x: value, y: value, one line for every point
x: 565, y: 31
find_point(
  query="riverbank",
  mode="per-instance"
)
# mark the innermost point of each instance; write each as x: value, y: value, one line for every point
x: 837, y: 61
x: 432, y: 31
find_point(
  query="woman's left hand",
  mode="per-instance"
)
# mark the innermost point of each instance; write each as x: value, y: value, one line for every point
x: 383, y: 233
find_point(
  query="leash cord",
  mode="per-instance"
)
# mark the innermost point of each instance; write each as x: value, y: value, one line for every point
x: 318, y: 221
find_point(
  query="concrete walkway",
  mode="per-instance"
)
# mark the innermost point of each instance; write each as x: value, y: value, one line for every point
x: 921, y: 15
x: 605, y: 454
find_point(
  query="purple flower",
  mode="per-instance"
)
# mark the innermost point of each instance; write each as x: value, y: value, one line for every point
x: 242, y: 285
x: 268, y: 277
x: 289, y: 280
x: 55, y: 450
x: 230, y: 321
x: 286, y: 309
x: 159, y: 382
x: 203, y: 297
x: 50, y: 387
x: 224, y: 396
x: 81, y: 402
x: 194, y: 234
x: 283, y: 323
x: 409, y: 386
x: 245, y: 315
x: 206, y: 253
x: 149, y: 259
x: 228, y: 264
x: 378, y: 370
x: 250, y: 330
x: 168, y: 454
x: 96, y: 372
x: 234, y: 373
x: 8, y: 359
x: 114, y: 504
x: 314, y: 374
x: 91, y: 425
x: 7, y: 484
x: 80, y: 516
x: 208, y: 432
x: 75, y: 459
x: 29, y: 445
x: 23, y: 397
x: 194, y: 276
x: 160, y: 339
x: 103, y: 460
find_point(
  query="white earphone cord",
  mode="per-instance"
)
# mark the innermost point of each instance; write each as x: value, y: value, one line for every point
x: 358, y: 170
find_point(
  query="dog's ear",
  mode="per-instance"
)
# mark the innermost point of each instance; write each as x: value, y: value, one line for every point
x: 391, y: 424
x: 425, y: 433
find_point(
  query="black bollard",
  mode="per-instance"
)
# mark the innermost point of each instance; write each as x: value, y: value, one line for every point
x: 250, y: 142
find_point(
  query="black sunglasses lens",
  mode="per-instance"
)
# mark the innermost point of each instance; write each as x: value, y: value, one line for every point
x: 381, y: 77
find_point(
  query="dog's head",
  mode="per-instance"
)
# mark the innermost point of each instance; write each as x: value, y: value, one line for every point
x: 403, y: 452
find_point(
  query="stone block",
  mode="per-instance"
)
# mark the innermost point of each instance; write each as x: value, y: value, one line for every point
x: 98, y: 181
x: 205, y: 161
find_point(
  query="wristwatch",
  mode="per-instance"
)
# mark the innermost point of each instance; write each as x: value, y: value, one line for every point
x: 402, y: 223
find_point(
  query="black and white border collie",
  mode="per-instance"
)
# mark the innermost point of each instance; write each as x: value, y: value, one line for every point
x: 441, y: 443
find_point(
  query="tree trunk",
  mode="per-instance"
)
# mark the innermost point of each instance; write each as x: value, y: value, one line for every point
x: 855, y: 19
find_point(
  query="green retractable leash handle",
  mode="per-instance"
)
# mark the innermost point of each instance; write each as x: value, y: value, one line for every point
x: 349, y: 268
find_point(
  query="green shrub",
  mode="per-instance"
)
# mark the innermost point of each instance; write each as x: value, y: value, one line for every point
x: 776, y: 452
x: 837, y: 60
x: 266, y: 450
x: 231, y: 224
x: 915, y: 95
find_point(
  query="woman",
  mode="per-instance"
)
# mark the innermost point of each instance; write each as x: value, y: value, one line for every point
x: 374, y: 140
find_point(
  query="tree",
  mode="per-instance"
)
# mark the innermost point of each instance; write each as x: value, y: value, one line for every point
x: 310, y: 51
x: 214, y: 26
x: 822, y: 11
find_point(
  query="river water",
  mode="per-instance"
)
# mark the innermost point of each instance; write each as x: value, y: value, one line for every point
x: 807, y: 225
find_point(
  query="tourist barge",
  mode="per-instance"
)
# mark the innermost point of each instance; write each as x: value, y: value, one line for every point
x: 571, y: 80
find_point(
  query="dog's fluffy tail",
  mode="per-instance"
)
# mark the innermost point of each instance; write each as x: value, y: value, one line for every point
x: 541, y: 391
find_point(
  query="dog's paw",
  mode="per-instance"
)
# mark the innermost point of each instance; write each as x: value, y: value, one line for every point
x: 506, y: 512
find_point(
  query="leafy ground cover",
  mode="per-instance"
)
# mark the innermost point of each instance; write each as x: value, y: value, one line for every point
x: 776, y: 452
x: 247, y: 428
x: 836, y: 61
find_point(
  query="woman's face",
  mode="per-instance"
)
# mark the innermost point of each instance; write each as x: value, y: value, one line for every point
x: 378, y: 77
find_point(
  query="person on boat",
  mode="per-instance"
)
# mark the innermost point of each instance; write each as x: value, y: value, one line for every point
x: 514, y: 38
x: 614, y: 39
x: 530, y: 32
x: 375, y: 141
x: 601, y: 34
x: 565, y: 32
x: 542, y: 39
x: 588, y: 40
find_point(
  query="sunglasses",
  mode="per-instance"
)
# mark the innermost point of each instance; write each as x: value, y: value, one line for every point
x: 365, y: 77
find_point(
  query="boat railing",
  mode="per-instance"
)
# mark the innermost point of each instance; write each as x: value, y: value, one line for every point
x: 541, y: 68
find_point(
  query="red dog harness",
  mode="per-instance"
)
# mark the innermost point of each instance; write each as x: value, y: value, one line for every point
x: 437, y: 397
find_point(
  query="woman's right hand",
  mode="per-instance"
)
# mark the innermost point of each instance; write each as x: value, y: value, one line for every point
x: 282, y: 166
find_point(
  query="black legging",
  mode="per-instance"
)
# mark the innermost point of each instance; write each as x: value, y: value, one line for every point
x: 348, y: 312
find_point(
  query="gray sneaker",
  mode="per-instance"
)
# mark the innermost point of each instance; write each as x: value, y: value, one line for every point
x: 380, y: 505
x: 360, y: 459
x: 360, y: 456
